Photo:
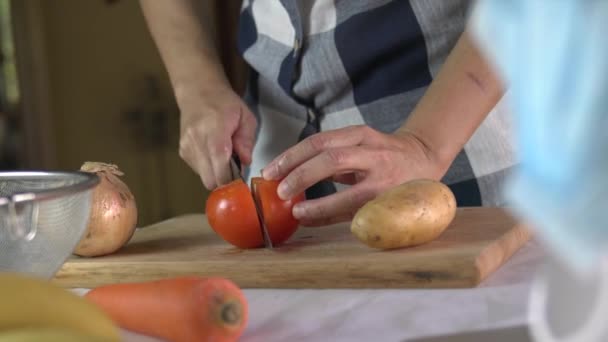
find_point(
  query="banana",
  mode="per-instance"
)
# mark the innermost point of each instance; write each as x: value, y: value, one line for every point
x: 47, y: 335
x: 28, y: 302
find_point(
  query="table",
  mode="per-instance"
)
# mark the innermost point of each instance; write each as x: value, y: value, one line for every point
x: 391, y: 315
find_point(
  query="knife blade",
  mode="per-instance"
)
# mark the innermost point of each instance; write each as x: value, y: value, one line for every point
x: 235, y: 167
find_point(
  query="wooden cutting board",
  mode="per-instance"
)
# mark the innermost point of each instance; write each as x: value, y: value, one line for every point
x: 478, y: 241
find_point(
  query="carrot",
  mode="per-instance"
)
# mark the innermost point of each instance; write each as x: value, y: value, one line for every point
x: 176, y: 309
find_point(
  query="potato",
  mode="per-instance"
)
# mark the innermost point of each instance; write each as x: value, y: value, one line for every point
x: 410, y: 214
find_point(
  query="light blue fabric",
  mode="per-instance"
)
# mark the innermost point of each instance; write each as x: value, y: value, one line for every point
x: 553, y: 55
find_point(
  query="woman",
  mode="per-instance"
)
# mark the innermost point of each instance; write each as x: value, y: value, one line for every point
x: 365, y: 93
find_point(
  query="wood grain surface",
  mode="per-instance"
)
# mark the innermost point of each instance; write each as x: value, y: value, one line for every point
x: 478, y: 241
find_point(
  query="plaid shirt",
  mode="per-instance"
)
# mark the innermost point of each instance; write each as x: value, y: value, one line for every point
x: 318, y: 65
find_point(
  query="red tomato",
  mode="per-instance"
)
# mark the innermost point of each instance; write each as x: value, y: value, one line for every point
x: 277, y: 213
x: 231, y: 214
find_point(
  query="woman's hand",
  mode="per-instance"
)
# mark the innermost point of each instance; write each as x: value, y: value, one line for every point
x: 214, y: 120
x: 213, y: 125
x: 457, y: 101
x: 369, y: 160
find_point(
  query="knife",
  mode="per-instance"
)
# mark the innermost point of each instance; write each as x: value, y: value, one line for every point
x: 235, y: 168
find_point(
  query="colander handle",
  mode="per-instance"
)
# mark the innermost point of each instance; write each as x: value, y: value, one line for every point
x: 21, y: 220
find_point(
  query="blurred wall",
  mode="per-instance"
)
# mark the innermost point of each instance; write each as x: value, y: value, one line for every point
x: 99, y: 56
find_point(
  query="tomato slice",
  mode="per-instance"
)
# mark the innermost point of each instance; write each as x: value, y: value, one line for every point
x: 232, y: 215
x: 277, y: 213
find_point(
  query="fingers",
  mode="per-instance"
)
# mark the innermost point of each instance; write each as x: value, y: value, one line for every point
x: 338, y: 207
x: 190, y: 152
x: 325, y: 165
x: 312, y: 146
x: 206, y: 173
x: 206, y: 146
x: 209, y: 125
x: 208, y: 158
x: 244, y: 136
x: 219, y: 151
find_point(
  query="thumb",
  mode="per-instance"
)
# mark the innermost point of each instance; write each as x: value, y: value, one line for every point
x: 244, y: 136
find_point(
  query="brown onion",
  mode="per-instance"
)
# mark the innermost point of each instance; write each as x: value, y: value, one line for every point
x: 113, y: 213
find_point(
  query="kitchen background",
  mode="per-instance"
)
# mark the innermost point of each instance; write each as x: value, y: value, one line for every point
x: 81, y: 80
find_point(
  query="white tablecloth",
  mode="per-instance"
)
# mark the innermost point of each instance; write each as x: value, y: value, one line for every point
x: 391, y: 315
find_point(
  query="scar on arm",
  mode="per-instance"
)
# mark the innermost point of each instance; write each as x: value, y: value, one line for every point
x: 471, y: 76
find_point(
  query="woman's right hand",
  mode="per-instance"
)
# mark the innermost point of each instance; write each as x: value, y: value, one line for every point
x: 214, y: 120
x: 213, y: 125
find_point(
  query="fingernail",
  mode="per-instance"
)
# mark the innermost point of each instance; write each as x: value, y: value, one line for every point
x: 283, y: 191
x: 298, y: 211
x: 269, y: 172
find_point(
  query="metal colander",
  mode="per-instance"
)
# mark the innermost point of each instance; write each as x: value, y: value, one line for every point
x: 43, y: 216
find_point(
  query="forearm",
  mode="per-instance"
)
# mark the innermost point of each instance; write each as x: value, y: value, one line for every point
x: 458, y: 100
x: 185, y: 44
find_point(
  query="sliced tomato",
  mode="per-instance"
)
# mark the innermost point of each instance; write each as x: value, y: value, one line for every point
x: 277, y: 213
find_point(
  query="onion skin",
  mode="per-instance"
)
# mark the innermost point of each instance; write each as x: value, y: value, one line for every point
x: 113, y: 216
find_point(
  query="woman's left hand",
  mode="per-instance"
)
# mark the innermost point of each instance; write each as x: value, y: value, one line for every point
x: 369, y: 160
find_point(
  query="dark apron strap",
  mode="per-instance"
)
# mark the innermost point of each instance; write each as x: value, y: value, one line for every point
x: 313, y: 126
